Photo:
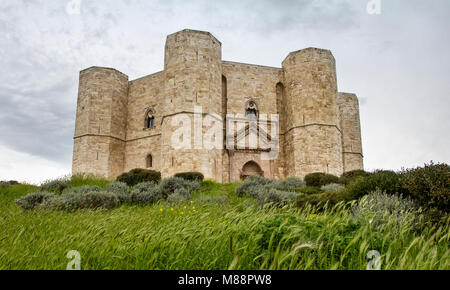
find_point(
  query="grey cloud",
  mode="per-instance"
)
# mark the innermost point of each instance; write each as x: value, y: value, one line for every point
x: 42, y: 48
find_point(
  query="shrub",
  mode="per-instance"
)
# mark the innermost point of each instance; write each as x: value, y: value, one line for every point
x: 191, y: 176
x: 120, y: 190
x: 359, y: 187
x: 319, y: 179
x: 180, y: 195
x: 66, y: 202
x: 146, y: 193
x: 349, y: 176
x: 332, y: 187
x: 57, y: 185
x: 83, y: 189
x: 76, y: 201
x: 256, y: 190
x: 429, y: 185
x: 309, y: 190
x: 249, y: 183
x: 386, y: 211
x: 33, y: 200
x: 170, y: 185
x: 8, y: 183
x: 272, y: 195
x: 289, y: 184
x: 96, y: 200
x: 320, y: 200
x: 387, y: 181
x: 137, y: 176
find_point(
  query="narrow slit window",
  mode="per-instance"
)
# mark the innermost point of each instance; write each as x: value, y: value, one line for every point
x: 149, y: 161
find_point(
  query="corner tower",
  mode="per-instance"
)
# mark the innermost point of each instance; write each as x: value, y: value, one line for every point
x: 100, y: 129
x: 313, y: 140
x: 351, y: 131
x: 193, y: 78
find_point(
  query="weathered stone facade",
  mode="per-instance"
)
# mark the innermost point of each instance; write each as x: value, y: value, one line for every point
x: 319, y: 128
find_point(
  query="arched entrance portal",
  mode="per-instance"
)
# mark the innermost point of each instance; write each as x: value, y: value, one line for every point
x: 251, y: 168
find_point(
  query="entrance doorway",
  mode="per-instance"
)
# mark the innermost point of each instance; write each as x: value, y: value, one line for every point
x: 251, y: 168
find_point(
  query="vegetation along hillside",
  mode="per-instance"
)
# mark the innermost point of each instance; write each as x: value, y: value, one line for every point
x: 142, y: 222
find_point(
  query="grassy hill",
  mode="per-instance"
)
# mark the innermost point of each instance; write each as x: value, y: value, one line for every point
x: 216, y: 229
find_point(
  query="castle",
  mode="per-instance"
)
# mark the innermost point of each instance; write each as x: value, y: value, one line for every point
x: 123, y: 124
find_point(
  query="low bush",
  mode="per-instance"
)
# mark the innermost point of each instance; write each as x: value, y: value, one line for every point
x: 320, y: 200
x: 289, y: 184
x: 320, y: 179
x: 269, y: 191
x: 387, y: 211
x: 180, y: 195
x: 309, y: 190
x: 170, y: 185
x: 429, y: 186
x: 120, y: 190
x: 137, y: 176
x: 272, y: 195
x: 83, y: 189
x: 387, y: 181
x: 96, y: 200
x: 146, y: 193
x: 65, y: 202
x: 191, y: 176
x: 56, y: 186
x: 76, y: 201
x: 33, y: 200
x: 349, y: 176
x: 250, y: 183
x: 332, y: 187
x: 8, y: 183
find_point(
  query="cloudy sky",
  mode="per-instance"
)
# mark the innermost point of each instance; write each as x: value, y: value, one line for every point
x: 397, y: 62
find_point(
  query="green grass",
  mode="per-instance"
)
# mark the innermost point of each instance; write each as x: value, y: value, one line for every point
x: 91, y: 180
x: 236, y: 234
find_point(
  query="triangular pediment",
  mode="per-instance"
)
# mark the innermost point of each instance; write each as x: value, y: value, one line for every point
x: 251, y: 137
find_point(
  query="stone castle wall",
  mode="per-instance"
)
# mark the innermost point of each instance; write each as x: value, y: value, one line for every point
x: 312, y: 131
x: 319, y: 127
x: 100, y: 131
x: 351, y: 131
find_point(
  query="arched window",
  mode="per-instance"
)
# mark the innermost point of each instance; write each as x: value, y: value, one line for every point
x: 149, y: 119
x: 149, y: 161
x: 251, y: 111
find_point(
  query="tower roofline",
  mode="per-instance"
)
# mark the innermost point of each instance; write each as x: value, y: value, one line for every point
x: 197, y: 31
x: 102, y: 68
x: 308, y: 49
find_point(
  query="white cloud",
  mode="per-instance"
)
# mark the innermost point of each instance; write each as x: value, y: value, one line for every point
x: 24, y: 167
